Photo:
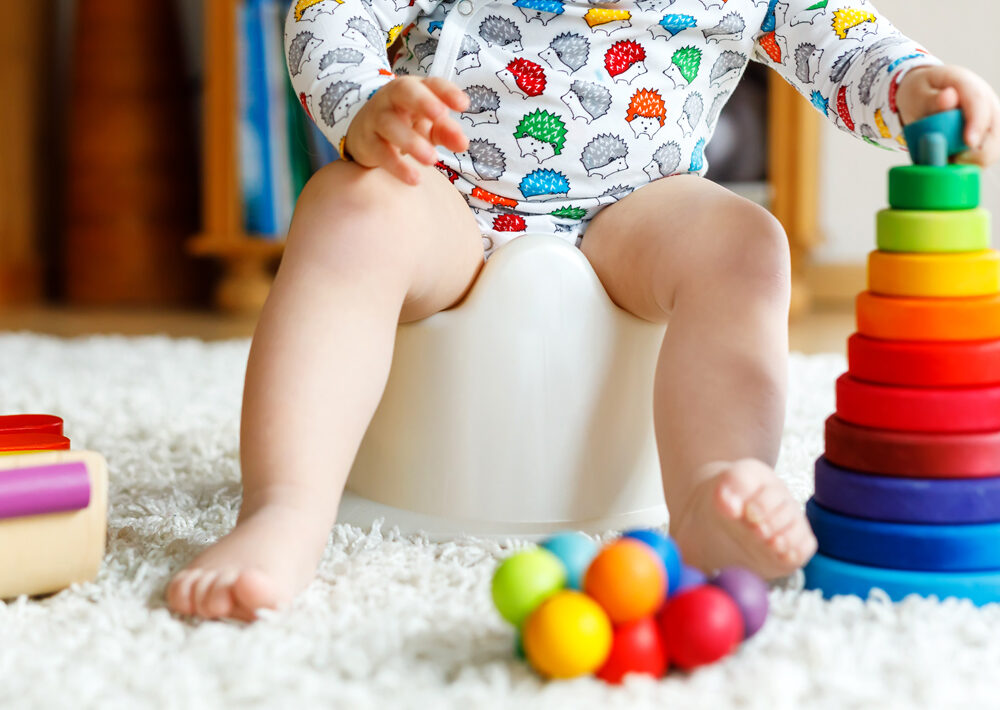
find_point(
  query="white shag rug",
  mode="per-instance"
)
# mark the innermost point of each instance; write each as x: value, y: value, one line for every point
x: 391, y: 621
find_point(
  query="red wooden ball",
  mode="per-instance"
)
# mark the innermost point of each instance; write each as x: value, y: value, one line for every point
x: 635, y: 648
x: 700, y: 625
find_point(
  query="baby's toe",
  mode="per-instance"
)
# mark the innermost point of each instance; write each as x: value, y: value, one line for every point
x: 179, y: 591
x: 796, y: 543
x: 254, y: 590
x: 764, y: 510
x: 779, y: 519
x: 736, y: 486
x: 219, y: 598
x: 199, y: 592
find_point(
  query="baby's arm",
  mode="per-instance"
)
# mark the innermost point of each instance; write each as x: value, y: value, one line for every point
x: 338, y: 64
x: 846, y: 59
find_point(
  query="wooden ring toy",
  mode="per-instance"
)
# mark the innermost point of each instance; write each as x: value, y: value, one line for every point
x: 835, y: 577
x: 900, y: 453
x: 933, y: 187
x: 922, y: 319
x: 924, y: 364
x: 928, y: 548
x: 921, y: 231
x: 895, y: 499
x: 925, y: 409
x: 935, y: 138
x: 975, y: 273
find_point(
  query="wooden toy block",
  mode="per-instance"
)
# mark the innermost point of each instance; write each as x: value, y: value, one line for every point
x: 30, y: 424
x: 940, y: 232
x: 836, y: 577
x: 53, y: 520
x: 929, y: 548
x: 974, y: 273
x: 914, y: 454
x: 934, y: 187
x: 924, y: 364
x: 924, y: 319
x: 15, y: 444
x: 943, y: 410
x: 895, y: 499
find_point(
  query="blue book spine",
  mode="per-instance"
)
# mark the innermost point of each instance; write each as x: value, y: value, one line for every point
x: 256, y: 170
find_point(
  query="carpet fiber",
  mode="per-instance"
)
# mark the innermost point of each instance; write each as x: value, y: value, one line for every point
x: 390, y: 621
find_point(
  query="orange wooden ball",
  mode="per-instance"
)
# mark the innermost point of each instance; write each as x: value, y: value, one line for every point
x: 628, y: 579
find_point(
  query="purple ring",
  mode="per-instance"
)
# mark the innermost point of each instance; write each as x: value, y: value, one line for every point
x: 907, y: 500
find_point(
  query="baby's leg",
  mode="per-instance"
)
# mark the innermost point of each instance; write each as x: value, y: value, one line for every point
x: 686, y: 251
x: 364, y: 252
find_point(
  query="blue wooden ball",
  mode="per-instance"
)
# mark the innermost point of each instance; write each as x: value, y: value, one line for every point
x: 575, y: 550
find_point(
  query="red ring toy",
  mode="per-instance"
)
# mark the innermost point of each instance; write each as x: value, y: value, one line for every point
x: 898, y: 453
x: 918, y: 409
x: 924, y: 364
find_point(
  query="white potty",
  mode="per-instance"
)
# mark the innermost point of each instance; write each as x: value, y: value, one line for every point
x: 524, y: 410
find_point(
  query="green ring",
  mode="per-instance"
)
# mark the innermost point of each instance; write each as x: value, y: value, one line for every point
x: 933, y: 232
x: 929, y: 187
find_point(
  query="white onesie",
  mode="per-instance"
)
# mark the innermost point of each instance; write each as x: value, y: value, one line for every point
x: 576, y: 104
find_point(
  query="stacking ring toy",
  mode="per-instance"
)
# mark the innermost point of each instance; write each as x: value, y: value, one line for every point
x: 975, y: 273
x: 945, y: 127
x: 835, y: 577
x: 927, y: 364
x: 928, y: 318
x: 934, y: 548
x: 924, y: 231
x: 918, y: 409
x: 907, y: 500
x: 933, y: 188
x: 900, y: 453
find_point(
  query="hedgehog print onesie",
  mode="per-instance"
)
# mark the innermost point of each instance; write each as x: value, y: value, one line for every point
x: 576, y: 104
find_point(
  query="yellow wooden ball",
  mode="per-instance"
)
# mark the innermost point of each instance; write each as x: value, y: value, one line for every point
x: 568, y: 635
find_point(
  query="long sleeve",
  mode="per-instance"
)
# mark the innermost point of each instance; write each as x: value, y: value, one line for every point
x: 845, y: 58
x: 336, y: 51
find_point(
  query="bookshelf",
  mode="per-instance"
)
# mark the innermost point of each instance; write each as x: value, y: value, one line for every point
x: 247, y: 261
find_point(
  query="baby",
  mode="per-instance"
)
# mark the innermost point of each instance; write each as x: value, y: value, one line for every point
x: 568, y: 115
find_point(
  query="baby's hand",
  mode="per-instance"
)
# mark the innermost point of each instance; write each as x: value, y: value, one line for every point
x: 407, y: 116
x: 932, y: 89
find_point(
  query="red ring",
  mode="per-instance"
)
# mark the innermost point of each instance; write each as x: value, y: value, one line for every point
x: 918, y: 409
x: 899, y: 453
x: 969, y: 363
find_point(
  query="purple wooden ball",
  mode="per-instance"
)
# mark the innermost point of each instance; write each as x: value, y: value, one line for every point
x: 748, y: 591
x: 690, y: 577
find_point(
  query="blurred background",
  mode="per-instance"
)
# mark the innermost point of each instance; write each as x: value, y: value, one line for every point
x: 151, y: 152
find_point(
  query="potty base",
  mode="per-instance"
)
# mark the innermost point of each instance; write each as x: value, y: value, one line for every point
x: 362, y: 512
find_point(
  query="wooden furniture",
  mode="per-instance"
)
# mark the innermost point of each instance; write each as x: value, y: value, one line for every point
x: 247, y: 261
x: 131, y: 198
x: 24, y: 27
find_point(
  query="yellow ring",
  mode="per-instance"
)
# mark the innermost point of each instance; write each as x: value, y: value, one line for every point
x: 975, y: 273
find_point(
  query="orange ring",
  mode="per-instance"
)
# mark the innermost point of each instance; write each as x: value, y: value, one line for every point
x: 928, y: 318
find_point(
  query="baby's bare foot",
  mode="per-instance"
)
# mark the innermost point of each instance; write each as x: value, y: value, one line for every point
x: 742, y: 514
x: 268, y: 558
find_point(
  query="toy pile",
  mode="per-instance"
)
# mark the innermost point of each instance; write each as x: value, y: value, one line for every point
x: 53, y: 507
x: 630, y: 607
x: 908, y: 491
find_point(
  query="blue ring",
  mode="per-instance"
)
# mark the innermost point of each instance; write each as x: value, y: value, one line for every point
x: 949, y: 124
x: 932, y: 548
x: 833, y: 578
x: 896, y: 499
